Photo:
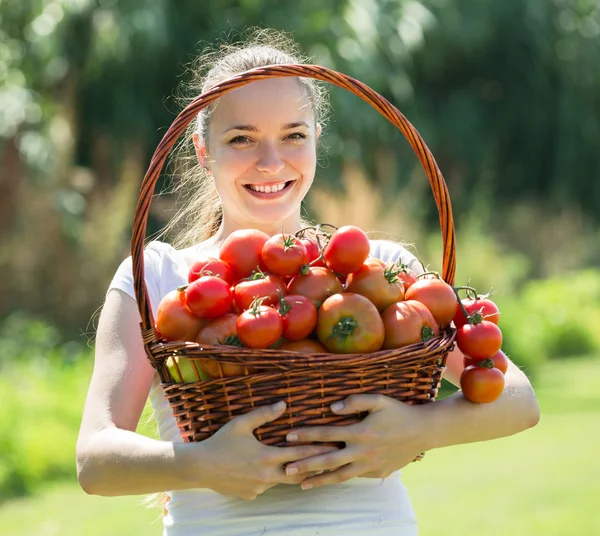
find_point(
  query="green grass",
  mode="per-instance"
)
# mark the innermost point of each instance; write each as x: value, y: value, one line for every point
x: 540, y: 482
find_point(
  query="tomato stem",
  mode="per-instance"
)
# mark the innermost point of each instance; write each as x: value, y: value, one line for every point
x: 470, y: 291
x: 344, y: 328
x: 437, y: 274
x: 462, y: 305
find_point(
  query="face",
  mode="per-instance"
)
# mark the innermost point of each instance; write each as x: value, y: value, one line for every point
x: 261, y: 153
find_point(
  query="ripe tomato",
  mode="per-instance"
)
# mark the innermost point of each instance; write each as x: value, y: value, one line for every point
x: 407, y: 276
x: 305, y: 346
x: 482, y: 383
x: 174, y: 321
x: 349, y: 323
x: 479, y: 341
x: 347, y: 250
x: 220, y: 331
x: 312, y: 250
x: 210, y: 266
x: 284, y: 255
x: 242, y: 251
x: 499, y: 359
x: 316, y: 283
x: 408, y: 322
x: 299, y: 316
x: 486, y: 307
x: 259, y: 327
x: 259, y: 285
x: 438, y: 296
x: 377, y: 282
x: 208, y: 297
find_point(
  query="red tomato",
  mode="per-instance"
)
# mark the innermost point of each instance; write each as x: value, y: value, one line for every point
x: 261, y: 285
x: 305, y: 346
x: 408, y: 322
x: 210, y: 266
x: 479, y: 341
x: 259, y: 327
x: 299, y: 316
x: 347, y: 250
x: 377, y: 282
x: 438, y: 296
x: 312, y: 250
x: 242, y: 251
x: 482, y: 383
x: 407, y: 276
x: 284, y: 255
x: 220, y: 331
x: 349, y: 323
x: 208, y: 297
x: 174, y: 321
x: 316, y: 283
x: 499, y: 359
x: 486, y: 307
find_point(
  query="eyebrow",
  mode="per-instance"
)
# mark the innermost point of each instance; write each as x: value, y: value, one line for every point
x: 252, y: 128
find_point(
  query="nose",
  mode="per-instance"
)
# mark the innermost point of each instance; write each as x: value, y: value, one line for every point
x: 269, y: 160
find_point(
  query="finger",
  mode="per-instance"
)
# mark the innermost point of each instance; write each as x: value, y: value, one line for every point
x: 257, y: 417
x: 323, y: 434
x: 342, y: 474
x: 284, y: 455
x: 325, y: 462
x: 360, y: 403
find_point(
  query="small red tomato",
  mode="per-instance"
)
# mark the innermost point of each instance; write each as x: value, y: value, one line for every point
x: 378, y: 282
x: 284, y: 255
x: 208, y: 297
x: 482, y: 383
x: 438, y: 296
x: 299, y: 316
x: 479, y: 341
x: 486, y: 308
x: 347, y: 250
x: 259, y: 285
x: 499, y: 359
x: 174, y: 321
x: 317, y: 283
x: 242, y: 251
x: 259, y: 327
x: 210, y: 266
x: 312, y: 250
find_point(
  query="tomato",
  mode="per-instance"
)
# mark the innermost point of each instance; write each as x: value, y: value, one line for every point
x: 260, y: 326
x: 349, y: 323
x: 174, y: 321
x: 438, y: 296
x: 407, y: 276
x: 220, y: 331
x: 184, y: 370
x: 499, y: 359
x: 408, y: 322
x: 284, y: 255
x: 210, y: 266
x: 479, y: 341
x: 299, y: 316
x: 316, y: 283
x: 486, y: 307
x: 209, y: 296
x: 312, y: 250
x: 242, y: 251
x: 377, y: 282
x: 346, y: 250
x: 259, y: 285
x: 304, y: 346
x: 482, y: 383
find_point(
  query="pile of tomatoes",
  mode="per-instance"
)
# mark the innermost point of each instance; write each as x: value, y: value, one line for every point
x: 317, y: 291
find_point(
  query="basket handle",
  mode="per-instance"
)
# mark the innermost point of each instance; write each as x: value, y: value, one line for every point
x: 390, y: 112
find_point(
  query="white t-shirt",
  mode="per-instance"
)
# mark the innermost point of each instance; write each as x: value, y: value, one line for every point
x: 361, y: 506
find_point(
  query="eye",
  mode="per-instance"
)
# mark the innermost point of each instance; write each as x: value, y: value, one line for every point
x: 296, y: 136
x: 239, y: 140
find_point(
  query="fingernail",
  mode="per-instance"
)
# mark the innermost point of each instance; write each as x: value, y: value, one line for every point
x: 292, y: 437
x: 306, y: 486
x: 279, y: 406
x: 291, y: 470
x: 337, y: 406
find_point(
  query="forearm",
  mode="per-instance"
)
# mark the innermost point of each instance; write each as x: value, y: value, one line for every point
x: 456, y: 420
x: 119, y: 462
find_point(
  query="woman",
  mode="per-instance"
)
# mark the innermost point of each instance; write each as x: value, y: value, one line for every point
x: 257, y: 152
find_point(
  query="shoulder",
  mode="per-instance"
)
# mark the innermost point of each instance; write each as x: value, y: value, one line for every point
x: 390, y: 251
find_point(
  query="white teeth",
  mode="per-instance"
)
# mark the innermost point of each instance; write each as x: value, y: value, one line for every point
x: 267, y: 189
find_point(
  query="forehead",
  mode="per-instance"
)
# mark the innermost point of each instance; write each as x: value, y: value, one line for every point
x: 277, y: 101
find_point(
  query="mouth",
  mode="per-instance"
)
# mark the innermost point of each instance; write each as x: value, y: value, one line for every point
x: 270, y: 188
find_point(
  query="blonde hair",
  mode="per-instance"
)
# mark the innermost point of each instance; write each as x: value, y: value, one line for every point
x: 199, y: 213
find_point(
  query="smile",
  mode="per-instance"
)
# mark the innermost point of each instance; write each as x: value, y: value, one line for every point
x: 268, y: 188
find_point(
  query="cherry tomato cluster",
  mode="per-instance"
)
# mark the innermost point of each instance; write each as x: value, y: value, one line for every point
x: 479, y: 338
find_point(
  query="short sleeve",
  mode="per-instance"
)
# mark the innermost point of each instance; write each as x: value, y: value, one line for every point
x: 389, y: 251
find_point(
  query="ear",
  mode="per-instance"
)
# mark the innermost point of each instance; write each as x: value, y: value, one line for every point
x: 200, y: 151
x: 318, y: 130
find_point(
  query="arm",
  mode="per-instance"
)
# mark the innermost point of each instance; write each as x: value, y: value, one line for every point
x: 112, y: 459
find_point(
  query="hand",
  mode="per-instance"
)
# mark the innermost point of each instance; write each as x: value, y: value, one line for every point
x: 389, y: 438
x: 241, y: 466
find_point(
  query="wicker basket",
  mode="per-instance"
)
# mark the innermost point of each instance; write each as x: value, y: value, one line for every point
x: 308, y: 383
